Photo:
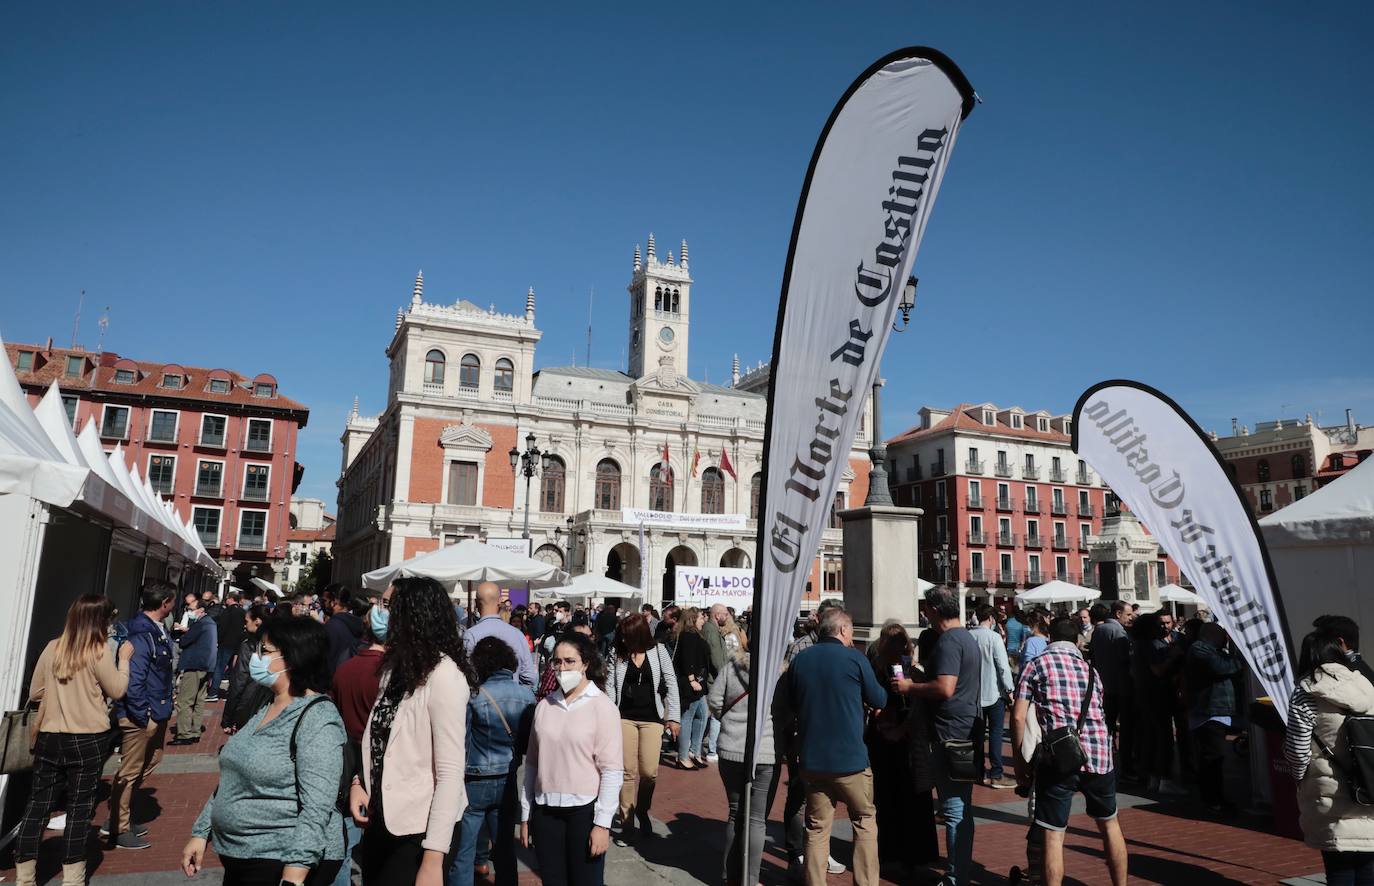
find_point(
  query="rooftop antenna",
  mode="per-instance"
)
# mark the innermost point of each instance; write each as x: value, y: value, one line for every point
x: 590, y: 295
x: 76, y: 324
x: 104, y: 324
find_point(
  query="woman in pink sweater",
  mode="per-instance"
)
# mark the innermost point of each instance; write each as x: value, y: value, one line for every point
x: 573, y: 770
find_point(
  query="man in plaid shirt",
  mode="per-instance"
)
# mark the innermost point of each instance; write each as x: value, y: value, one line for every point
x: 1055, y: 682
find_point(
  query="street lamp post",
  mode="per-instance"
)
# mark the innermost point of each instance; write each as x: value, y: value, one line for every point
x: 528, y: 463
x: 878, y: 493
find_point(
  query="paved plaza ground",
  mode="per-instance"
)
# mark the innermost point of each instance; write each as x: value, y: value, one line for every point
x: 1170, y: 842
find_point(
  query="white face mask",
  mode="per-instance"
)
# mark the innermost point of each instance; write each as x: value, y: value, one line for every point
x: 569, y: 680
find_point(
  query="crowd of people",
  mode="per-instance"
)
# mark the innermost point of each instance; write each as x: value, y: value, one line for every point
x: 402, y: 739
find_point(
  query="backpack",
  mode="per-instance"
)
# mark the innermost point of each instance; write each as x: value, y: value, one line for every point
x: 345, y: 777
x: 1359, y: 777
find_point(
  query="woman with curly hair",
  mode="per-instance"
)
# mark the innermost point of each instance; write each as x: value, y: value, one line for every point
x: 573, y: 770
x: 410, y: 794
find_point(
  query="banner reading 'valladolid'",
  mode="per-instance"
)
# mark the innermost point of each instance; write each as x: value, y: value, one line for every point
x: 1157, y: 461
x: 864, y: 206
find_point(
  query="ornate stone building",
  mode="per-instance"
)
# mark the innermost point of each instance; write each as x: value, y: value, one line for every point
x: 435, y: 466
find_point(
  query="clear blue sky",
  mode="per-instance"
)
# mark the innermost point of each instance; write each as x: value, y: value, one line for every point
x: 1179, y: 193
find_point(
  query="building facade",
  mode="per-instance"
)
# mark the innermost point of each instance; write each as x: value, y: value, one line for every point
x: 1008, y: 505
x: 435, y: 466
x: 220, y: 445
x: 1284, y: 460
x: 310, y: 533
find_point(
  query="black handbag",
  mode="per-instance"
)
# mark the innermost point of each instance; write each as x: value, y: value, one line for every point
x: 1061, y: 748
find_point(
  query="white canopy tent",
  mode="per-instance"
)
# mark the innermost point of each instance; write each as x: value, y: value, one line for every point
x: 469, y: 560
x: 1057, y: 591
x: 1322, y: 548
x: 263, y: 584
x: 1172, y: 593
x: 587, y: 587
x: 922, y: 585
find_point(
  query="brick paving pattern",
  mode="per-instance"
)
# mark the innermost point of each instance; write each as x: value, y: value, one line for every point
x: 1170, y: 842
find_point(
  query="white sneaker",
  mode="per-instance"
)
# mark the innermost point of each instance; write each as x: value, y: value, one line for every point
x: 833, y: 866
x: 712, y: 757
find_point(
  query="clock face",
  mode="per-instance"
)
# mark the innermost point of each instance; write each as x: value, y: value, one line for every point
x: 665, y: 335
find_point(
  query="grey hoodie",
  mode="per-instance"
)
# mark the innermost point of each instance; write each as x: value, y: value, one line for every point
x: 729, y: 690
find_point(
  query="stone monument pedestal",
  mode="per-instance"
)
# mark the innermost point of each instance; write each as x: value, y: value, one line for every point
x: 880, y: 568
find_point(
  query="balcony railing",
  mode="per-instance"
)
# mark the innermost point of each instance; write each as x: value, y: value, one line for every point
x: 255, y: 493
x: 1059, y: 509
x: 162, y: 486
x: 214, y: 440
x: 432, y: 387
x: 1080, y: 544
x: 977, y: 537
x: 1006, y: 539
x: 502, y: 396
x: 1030, y: 472
x: 257, y: 444
x: 207, y: 538
x: 1034, y: 578
x: 1006, y: 577
x: 1070, y: 577
x: 1002, y: 469
x: 1006, y: 504
x: 210, y: 490
x: 973, y: 466
x: 1085, y: 509
x: 941, y: 503
x: 1032, y: 506
x: 937, y: 469
x: 1035, y: 541
x: 1061, y: 543
x: 1056, y: 475
x: 1082, y: 479
x: 162, y: 435
x: 252, y: 542
x: 977, y: 577
x: 914, y: 473
x: 1089, y: 581
x: 975, y: 502
x: 115, y: 431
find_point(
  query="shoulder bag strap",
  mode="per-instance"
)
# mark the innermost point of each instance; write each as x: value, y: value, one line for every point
x: 295, y: 729
x: 499, y: 712
x: 1087, y: 697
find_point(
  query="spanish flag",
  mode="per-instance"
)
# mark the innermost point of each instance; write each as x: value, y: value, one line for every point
x: 696, y: 459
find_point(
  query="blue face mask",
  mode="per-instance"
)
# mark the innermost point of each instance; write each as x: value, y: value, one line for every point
x: 378, y: 621
x: 258, y: 670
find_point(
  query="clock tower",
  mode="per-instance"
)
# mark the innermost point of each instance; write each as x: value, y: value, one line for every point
x: 660, y: 300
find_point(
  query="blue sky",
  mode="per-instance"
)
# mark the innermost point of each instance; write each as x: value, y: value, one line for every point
x: 1178, y: 193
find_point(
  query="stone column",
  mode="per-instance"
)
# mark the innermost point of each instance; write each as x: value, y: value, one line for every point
x: 880, y: 568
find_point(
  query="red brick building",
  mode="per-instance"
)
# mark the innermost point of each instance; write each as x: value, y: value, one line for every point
x: 218, y: 444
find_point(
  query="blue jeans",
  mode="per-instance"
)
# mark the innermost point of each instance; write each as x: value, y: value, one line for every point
x: 352, y: 834
x: 712, y: 733
x: 993, y: 715
x: 956, y: 802
x: 1348, y: 868
x: 492, y: 807
x: 222, y: 657
x: 694, y: 718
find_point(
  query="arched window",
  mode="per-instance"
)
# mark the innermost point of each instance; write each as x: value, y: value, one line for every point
x: 755, y: 485
x: 675, y: 301
x: 551, y: 486
x: 661, y: 488
x: 1263, y: 470
x: 1299, y: 466
x: 434, y: 367
x: 712, y: 492
x: 505, y: 376
x: 658, y: 298
x: 468, y: 371
x: 608, y: 485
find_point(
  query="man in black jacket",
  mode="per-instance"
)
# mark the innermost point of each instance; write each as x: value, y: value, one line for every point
x: 345, y: 629
x: 229, y: 634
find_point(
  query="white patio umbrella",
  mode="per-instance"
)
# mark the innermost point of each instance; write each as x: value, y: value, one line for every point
x: 263, y: 584
x: 1057, y: 592
x: 469, y: 560
x: 587, y: 586
x: 1178, y: 594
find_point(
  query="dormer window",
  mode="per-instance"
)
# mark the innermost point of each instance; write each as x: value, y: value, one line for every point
x: 264, y: 390
x: 76, y: 367
x: 989, y: 417
x: 218, y: 386
x: 24, y: 362
x: 1042, y: 425
x: 1068, y: 426
x: 171, y: 380
x: 1016, y: 421
x: 125, y: 377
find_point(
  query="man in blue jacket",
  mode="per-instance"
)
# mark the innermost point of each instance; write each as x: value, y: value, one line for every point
x: 143, y: 712
x: 824, y: 691
x: 194, y: 667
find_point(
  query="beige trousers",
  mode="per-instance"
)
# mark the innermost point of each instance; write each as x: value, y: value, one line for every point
x: 190, y: 708
x: 140, y: 752
x: 855, y: 791
x: 643, y: 742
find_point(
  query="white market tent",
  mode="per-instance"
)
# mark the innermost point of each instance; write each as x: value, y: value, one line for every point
x: 1322, y: 548
x: 263, y: 584
x: 1172, y: 593
x: 922, y: 585
x: 588, y: 586
x: 1057, y: 591
x: 469, y: 560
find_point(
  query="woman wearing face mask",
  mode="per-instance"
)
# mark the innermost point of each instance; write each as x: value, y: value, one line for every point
x: 356, y: 687
x: 244, y: 697
x: 275, y: 819
x: 573, y: 770
x: 409, y: 794
x: 74, y: 676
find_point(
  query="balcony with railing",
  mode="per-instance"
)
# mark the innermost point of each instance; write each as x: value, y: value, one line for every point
x: 937, y: 469
x: 1006, y: 504
x: 1034, y: 578
x: 1002, y: 469
x: 1059, y: 509
x: 976, y: 502
x: 1083, y: 479
x: 914, y: 473
x: 211, y: 439
x: 1085, y: 509
x: 1060, y: 543
x: 1080, y: 544
x: 1031, y: 506
x: 207, y: 489
x: 1056, y: 475
x: 503, y: 395
x: 974, y: 466
x: 977, y: 537
x: 163, y: 487
x: 432, y: 387
x: 209, y: 538
x: 1006, y: 577
x: 1030, y: 472
x: 257, y: 444
x: 977, y: 577
x: 159, y: 433
x: 1089, y: 581
x: 1035, y: 541
x: 1070, y: 577
x: 255, y: 493
x: 1006, y: 539
x: 253, y: 542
